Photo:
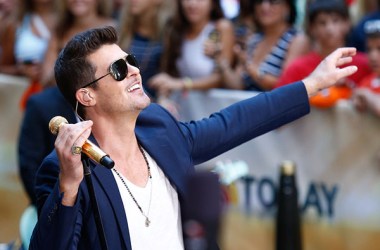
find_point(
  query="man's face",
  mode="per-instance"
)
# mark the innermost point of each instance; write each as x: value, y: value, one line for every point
x: 373, y: 52
x: 330, y: 30
x: 116, y: 97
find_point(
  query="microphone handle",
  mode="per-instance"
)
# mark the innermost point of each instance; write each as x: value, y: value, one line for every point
x: 95, y: 153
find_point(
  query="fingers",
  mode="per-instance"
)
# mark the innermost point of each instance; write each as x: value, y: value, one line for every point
x: 347, y: 71
x: 341, y: 56
x: 72, y: 135
x: 344, y: 52
x: 343, y: 61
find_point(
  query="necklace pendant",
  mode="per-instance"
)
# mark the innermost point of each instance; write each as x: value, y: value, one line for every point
x: 147, y: 222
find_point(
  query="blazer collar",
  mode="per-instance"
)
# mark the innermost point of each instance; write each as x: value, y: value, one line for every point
x: 109, y: 185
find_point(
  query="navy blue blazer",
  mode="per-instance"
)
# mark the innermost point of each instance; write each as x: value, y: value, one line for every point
x: 35, y: 140
x: 176, y: 147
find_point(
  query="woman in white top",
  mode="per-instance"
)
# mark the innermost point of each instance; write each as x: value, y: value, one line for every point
x: 197, y: 31
x: 30, y: 38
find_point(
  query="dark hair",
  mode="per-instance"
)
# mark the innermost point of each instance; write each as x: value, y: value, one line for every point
x: 175, y: 33
x: 316, y: 7
x: 72, y: 69
x: 246, y: 7
x: 292, y: 13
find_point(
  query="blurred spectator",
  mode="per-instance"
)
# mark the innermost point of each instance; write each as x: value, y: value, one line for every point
x: 117, y: 6
x: 357, y: 36
x: 328, y: 24
x: 270, y: 49
x: 7, y: 10
x: 367, y: 97
x: 8, y: 13
x: 74, y: 16
x: 366, y: 100
x: 141, y: 31
x: 372, y: 81
x: 28, y: 41
x: 244, y: 23
x: 198, y: 33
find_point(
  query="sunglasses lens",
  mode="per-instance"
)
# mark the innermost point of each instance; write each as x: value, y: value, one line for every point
x: 119, y: 70
x: 132, y: 61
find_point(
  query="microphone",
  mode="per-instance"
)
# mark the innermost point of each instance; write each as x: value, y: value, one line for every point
x: 88, y: 148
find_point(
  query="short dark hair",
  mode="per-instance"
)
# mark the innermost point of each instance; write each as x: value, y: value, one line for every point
x: 72, y: 69
x: 316, y: 7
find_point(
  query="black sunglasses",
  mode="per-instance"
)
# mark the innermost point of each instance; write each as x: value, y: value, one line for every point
x: 118, y: 69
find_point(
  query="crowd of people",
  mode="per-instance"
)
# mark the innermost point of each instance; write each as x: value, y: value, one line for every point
x: 184, y: 45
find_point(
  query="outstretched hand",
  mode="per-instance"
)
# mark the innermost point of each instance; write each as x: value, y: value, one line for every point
x: 328, y: 72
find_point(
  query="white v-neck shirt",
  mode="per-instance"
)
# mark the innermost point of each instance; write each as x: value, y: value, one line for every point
x: 165, y: 229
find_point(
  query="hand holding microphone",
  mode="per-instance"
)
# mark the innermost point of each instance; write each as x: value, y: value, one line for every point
x: 88, y: 148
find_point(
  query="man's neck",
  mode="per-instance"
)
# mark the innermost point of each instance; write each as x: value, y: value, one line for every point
x: 115, y: 134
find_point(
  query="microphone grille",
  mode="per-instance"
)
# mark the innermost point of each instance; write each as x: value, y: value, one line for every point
x: 55, y: 123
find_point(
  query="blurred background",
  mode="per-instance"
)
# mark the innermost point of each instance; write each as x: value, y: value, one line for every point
x: 243, y: 48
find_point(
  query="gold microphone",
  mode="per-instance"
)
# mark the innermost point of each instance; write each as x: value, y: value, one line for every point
x: 88, y: 148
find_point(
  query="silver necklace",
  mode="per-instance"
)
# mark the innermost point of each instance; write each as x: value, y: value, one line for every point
x: 147, y: 221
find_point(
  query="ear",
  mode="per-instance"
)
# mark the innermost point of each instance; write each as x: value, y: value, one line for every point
x: 85, y: 97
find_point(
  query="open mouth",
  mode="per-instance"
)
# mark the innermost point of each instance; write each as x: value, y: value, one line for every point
x: 134, y: 87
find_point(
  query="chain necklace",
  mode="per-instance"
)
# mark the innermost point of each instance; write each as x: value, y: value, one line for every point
x: 147, y: 221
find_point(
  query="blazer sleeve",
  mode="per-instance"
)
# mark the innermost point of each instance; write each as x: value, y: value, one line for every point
x: 245, y: 120
x: 58, y: 226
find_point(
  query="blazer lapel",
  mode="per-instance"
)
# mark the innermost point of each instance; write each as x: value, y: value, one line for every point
x: 108, y: 183
x: 167, y: 159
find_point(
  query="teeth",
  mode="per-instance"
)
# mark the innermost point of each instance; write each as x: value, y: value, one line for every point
x: 134, y: 87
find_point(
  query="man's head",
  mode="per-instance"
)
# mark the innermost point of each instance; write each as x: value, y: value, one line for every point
x: 328, y: 22
x: 92, y: 67
x: 72, y: 69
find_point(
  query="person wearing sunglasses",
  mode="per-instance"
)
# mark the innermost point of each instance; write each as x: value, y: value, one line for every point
x: 141, y: 197
x: 275, y: 43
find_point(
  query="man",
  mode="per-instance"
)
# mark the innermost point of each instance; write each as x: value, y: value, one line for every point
x: 140, y: 198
